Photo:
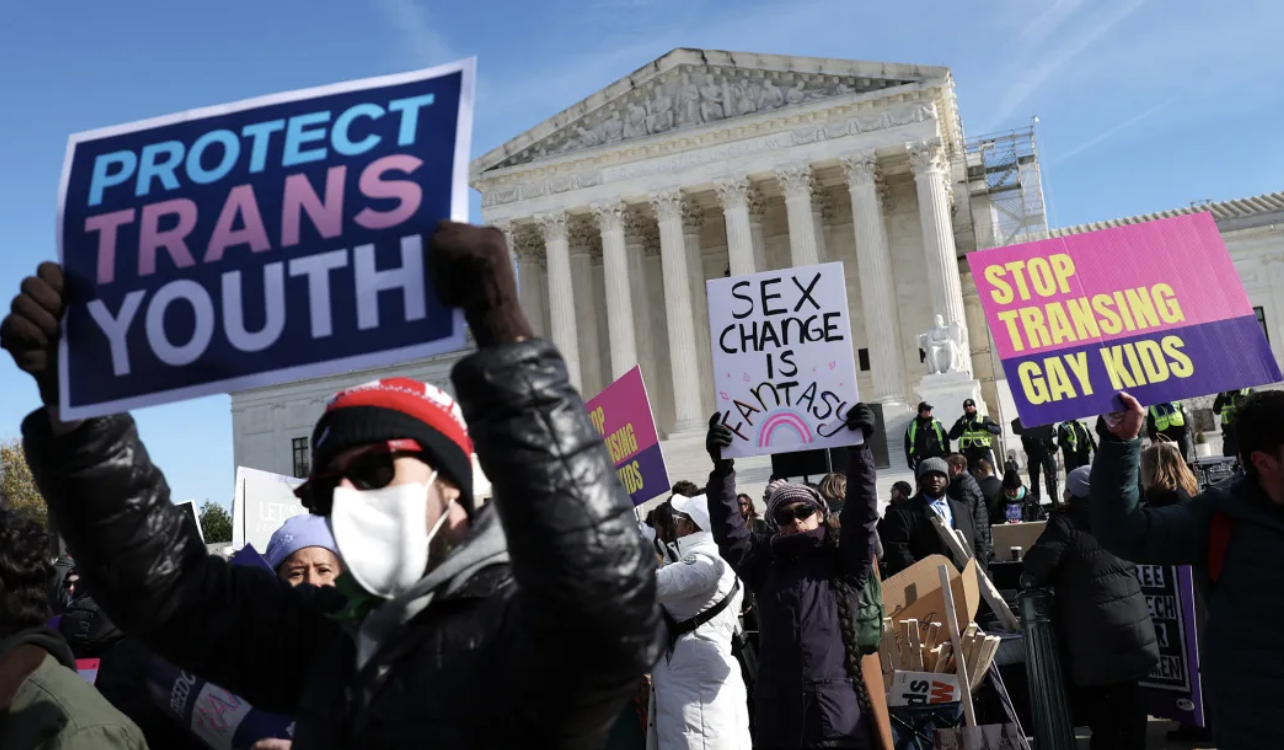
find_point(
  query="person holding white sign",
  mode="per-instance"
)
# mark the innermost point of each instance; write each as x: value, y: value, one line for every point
x: 814, y: 627
x: 526, y: 622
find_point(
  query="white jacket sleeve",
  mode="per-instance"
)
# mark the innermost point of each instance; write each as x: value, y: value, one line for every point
x: 687, y: 578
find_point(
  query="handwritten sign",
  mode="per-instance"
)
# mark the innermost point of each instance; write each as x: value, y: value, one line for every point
x: 1155, y: 309
x: 783, y: 364
x: 260, y: 242
x: 261, y: 505
x: 1173, y: 690
x: 622, y: 414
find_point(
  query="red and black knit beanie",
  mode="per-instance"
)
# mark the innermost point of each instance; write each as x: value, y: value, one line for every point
x: 398, y: 409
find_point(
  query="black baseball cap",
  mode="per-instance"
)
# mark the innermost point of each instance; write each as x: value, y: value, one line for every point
x: 924, y: 406
x: 968, y: 402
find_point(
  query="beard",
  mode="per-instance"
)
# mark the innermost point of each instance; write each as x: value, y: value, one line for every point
x: 934, y: 495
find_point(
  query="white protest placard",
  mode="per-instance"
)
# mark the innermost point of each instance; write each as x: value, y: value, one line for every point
x: 189, y: 507
x: 262, y: 503
x: 783, y: 364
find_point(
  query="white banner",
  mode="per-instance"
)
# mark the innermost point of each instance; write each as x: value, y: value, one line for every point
x: 262, y: 503
x: 783, y: 365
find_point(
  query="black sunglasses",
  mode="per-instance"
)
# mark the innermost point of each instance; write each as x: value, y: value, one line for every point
x: 799, y: 512
x: 371, y: 468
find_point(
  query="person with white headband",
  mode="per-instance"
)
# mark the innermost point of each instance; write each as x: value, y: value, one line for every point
x: 698, y: 697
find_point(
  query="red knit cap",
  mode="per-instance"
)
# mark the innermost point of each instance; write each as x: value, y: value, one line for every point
x: 398, y: 408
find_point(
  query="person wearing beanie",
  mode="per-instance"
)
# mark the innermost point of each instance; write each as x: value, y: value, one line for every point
x: 1017, y: 505
x: 907, y: 530
x: 1109, y: 641
x: 303, y: 551
x: 698, y: 699
x: 806, y: 577
x: 965, y: 489
x: 538, y: 606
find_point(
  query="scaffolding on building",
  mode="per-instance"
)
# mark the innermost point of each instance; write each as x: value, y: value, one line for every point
x: 1006, y: 189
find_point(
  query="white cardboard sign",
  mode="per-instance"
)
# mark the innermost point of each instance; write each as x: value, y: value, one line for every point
x: 262, y: 503
x: 784, y: 370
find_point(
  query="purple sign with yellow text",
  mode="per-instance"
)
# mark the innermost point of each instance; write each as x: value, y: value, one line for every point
x: 1154, y: 309
x: 622, y: 413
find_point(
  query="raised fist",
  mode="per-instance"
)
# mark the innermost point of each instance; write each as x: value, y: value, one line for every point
x: 719, y: 437
x: 473, y: 270
x: 31, y: 330
x: 1126, y: 424
x: 861, y: 417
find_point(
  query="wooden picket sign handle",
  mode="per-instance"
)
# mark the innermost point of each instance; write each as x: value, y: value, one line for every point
x: 960, y: 663
x: 954, y: 543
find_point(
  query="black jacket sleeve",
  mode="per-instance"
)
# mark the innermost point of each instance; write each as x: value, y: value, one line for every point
x: 991, y: 426
x: 895, y: 530
x: 1042, y: 559
x: 980, y: 520
x: 956, y: 431
x: 859, y: 517
x: 586, y: 624
x: 240, y: 627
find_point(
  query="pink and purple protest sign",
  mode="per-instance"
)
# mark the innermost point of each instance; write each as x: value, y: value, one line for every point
x: 1154, y: 309
x: 622, y: 414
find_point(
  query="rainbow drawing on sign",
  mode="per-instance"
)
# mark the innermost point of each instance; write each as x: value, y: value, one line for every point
x: 787, y: 419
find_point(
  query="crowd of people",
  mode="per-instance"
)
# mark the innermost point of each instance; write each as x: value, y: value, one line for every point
x: 402, y: 612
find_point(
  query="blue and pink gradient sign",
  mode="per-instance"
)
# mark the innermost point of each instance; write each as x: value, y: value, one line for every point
x: 1154, y: 309
x: 260, y: 242
x: 622, y: 414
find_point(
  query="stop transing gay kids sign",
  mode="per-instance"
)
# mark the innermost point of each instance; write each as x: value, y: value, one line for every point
x: 260, y: 242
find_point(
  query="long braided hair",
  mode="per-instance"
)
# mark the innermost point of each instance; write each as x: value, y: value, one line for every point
x: 848, y: 596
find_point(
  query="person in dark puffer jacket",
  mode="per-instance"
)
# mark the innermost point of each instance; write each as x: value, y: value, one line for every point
x: 965, y: 489
x: 539, y: 608
x: 1108, y: 639
x: 811, y: 690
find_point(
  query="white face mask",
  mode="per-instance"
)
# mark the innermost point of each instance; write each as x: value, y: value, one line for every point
x: 381, y: 537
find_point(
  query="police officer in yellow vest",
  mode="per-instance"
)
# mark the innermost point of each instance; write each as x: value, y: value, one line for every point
x: 975, y: 434
x: 1076, y: 444
x: 1227, y: 405
x: 1169, y: 419
x: 925, y: 437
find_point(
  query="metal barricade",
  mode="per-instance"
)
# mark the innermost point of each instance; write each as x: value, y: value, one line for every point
x: 1049, y: 705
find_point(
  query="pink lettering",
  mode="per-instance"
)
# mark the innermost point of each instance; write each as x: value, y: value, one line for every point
x: 173, y: 240
x: 300, y: 196
x: 407, y: 192
x: 106, y: 226
x: 240, y: 200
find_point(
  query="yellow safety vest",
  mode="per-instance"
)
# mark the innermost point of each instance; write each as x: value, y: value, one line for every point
x: 1232, y: 406
x: 1168, y: 415
x: 913, y: 433
x: 975, y: 436
x: 1073, y: 436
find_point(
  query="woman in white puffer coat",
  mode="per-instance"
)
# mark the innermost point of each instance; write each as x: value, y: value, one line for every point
x: 698, y: 699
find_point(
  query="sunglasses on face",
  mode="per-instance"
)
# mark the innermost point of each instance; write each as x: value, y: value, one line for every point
x: 800, y: 512
x: 369, y: 468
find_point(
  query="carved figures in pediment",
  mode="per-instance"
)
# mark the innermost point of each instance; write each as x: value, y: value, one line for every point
x: 659, y: 112
x: 635, y: 121
x: 688, y: 96
x: 797, y: 94
x: 745, y: 94
x: 770, y: 96
x: 710, y: 100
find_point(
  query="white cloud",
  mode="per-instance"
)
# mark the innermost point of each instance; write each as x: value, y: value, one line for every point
x: 421, y: 41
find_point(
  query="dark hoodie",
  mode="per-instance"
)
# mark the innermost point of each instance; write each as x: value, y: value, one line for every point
x: 122, y: 672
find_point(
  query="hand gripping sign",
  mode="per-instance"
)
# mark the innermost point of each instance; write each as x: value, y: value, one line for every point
x: 784, y: 372
x: 260, y: 242
x: 1154, y: 309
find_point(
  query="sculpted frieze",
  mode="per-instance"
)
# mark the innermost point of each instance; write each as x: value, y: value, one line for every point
x: 689, y: 96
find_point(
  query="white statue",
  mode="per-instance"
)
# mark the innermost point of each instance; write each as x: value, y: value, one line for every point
x: 945, y: 346
x: 771, y: 96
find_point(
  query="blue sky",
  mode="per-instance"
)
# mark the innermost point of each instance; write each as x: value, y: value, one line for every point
x: 1144, y: 104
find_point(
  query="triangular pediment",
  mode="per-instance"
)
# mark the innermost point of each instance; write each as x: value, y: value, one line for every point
x: 690, y: 88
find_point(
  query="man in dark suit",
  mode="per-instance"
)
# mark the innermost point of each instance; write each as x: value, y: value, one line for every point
x: 907, y: 531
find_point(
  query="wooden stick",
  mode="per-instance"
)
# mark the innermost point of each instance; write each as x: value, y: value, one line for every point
x: 988, y: 650
x: 887, y: 649
x: 960, y: 665
x: 958, y: 549
x: 943, y: 659
x: 915, y: 647
x: 933, y: 638
x: 932, y: 659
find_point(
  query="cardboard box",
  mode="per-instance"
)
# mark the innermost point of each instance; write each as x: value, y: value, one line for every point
x: 922, y: 689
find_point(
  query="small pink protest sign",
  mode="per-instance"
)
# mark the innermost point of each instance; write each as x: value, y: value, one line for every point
x: 1154, y: 309
x: 622, y: 414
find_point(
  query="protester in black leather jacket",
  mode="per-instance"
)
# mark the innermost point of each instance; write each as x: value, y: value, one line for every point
x: 532, y: 632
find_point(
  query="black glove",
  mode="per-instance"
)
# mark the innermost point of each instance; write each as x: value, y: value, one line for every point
x: 861, y: 417
x: 473, y: 270
x: 719, y: 437
x: 31, y: 330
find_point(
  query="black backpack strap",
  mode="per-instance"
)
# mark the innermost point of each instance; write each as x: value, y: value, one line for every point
x: 679, y: 629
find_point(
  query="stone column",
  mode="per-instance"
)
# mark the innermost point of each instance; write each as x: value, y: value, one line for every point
x: 530, y: 283
x: 677, y: 302
x: 561, y: 300
x: 757, y: 214
x: 931, y: 173
x: 654, y: 319
x: 822, y: 209
x: 733, y: 194
x: 619, y: 292
x: 692, y: 221
x: 583, y: 241
x: 795, y: 183
x: 877, y: 288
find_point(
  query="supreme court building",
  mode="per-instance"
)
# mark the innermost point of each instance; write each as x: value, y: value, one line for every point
x: 706, y: 163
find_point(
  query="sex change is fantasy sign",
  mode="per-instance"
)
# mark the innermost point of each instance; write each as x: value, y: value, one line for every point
x: 1154, y: 309
x: 784, y: 370
x: 260, y: 242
